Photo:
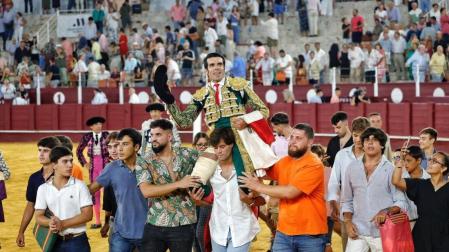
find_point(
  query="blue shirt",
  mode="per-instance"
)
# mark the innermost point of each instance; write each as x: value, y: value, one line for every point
x: 394, y: 15
x: 365, y: 198
x: 239, y: 67
x: 132, y: 207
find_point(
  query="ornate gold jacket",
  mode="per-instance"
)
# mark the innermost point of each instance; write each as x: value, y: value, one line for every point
x: 236, y: 95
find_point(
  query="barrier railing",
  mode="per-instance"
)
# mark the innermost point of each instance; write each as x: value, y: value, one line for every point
x: 47, y: 31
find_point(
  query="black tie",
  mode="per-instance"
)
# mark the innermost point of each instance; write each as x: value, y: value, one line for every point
x: 96, y: 139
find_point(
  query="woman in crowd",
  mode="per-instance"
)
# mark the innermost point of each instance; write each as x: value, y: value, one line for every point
x: 438, y: 65
x: 431, y: 197
x: 301, y: 71
x: 381, y: 66
x: 410, y: 162
x: 345, y: 64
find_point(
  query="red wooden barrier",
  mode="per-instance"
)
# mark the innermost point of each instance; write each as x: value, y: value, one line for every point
x: 22, y: 117
x: 47, y: 117
x: 324, y: 114
x: 118, y: 116
x: 399, y: 119
x: 422, y: 117
x: 70, y: 117
x: 138, y: 115
x: 281, y: 107
x: 441, y: 122
x: 5, y: 117
x: 304, y: 113
x: 353, y: 111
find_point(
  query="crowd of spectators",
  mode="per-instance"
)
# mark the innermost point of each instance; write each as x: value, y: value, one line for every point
x: 115, y: 48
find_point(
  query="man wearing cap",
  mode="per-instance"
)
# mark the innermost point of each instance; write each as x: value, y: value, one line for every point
x: 155, y: 110
x: 224, y: 101
x: 97, y: 152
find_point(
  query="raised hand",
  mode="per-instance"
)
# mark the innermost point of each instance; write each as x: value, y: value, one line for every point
x: 160, y: 85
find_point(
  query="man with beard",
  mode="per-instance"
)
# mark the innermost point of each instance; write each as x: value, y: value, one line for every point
x: 343, y: 139
x: 300, y: 177
x: 164, y: 179
x: 131, y: 205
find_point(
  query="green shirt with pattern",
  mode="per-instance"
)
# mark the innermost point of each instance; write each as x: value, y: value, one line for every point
x: 176, y: 208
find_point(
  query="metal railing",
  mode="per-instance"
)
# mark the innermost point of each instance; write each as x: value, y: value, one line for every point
x: 47, y: 31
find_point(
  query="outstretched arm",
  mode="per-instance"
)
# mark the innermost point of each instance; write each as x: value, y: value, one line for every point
x: 184, y: 118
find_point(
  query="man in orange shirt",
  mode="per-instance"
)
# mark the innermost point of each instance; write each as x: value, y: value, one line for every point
x: 302, y: 222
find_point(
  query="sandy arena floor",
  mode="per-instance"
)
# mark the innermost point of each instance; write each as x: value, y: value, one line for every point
x: 22, y: 161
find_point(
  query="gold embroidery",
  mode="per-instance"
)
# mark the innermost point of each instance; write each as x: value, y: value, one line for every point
x: 200, y: 94
x: 237, y: 84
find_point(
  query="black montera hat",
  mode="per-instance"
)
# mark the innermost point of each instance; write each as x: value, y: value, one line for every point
x: 96, y: 119
x: 155, y: 106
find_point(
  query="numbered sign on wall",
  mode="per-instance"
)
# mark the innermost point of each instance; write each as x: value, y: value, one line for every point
x: 59, y: 98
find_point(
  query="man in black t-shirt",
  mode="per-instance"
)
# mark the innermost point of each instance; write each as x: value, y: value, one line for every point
x: 36, y: 179
x: 53, y: 73
x: 187, y: 60
x: 343, y: 138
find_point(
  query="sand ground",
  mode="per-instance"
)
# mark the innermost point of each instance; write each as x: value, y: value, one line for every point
x: 22, y: 162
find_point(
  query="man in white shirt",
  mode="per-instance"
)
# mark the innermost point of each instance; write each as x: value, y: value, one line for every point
x: 93, y: 70
x: 372, y: 58
x: 343, y: 158
x: 317, y: 97
x: 321, y: 56
x: 133, y: 97
x: 99, y: 97
x: 210, y: 36
x: 64, y: 204
x: 81, y: 68
x: 232, y: 224
x: 173, y: 72
x: 399, y: 45
x: 435, y: 12
x: 284, y: 63
x: 313, y: 9
x: 355, y: 55
x: 130, y: 64
x: 267, y: 66
x: 8, y: 90
x: 221, y: 28
x: 19, y: 100
x: 272, y: 31
x: 90, y: 30
x: 103, y: 74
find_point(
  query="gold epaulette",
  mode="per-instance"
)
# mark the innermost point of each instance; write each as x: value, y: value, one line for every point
x: 200, y: 94
x: 237, y: 84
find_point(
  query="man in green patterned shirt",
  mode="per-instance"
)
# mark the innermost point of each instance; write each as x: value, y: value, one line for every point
x: 164, y: 179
